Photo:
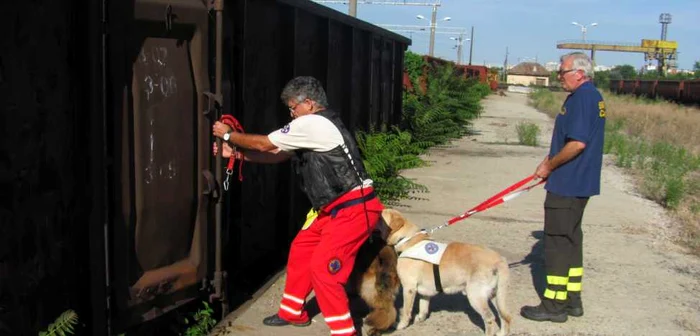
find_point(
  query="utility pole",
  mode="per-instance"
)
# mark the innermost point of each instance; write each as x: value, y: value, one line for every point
x: 505, y: 67
x: 664, y: 20
x: 422, y: 29
x: 433, y: 26
x: 432, y: 31
x: 459, y: 49
x: 460, y: 42
x: 352, y: 8
x: 471, y: 46
x: 459, y: 52
x: 584, y: 29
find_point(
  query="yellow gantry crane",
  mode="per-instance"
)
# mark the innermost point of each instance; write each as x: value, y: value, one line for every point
x: 665, y: 52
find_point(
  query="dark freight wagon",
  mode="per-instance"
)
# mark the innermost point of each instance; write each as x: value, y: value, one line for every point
x: 682, y: 91
x: 109, y: 190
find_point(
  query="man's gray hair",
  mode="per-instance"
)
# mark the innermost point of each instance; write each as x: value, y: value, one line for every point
x: 580, y: 61
x: 304, y: 87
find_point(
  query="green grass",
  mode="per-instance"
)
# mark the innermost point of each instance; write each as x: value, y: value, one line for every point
x: 666, y: 168
x: 545, y: 100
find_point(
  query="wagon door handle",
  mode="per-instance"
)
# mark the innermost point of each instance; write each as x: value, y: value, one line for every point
x: 213, y: 102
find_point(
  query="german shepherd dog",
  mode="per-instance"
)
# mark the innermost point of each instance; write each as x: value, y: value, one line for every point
x: 375, y: 280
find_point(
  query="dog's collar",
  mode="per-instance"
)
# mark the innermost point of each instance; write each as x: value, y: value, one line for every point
x: 404, y: 240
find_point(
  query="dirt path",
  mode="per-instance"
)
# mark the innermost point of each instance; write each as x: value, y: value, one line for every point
x: 635, y: 282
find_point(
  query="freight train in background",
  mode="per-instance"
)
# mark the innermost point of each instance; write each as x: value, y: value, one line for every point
x: 680, y: 91
x: 478, y: 72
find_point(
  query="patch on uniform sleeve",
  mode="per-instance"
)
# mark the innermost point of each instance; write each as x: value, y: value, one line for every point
x: 334, y: 266
x: 563, y: 110
x: 285, y: 129
x: 601, y: 109
x: 431, y: 248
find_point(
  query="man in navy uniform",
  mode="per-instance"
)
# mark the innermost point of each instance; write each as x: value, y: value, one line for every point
x: 572, y: 170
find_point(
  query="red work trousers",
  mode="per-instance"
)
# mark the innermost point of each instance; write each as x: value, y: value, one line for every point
x: 322, y: 257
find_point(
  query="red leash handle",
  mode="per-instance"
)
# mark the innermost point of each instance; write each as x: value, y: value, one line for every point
x: 498, y: 198
x: 236, y: 127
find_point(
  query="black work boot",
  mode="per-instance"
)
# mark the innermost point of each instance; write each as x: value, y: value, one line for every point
x: 574, y: 307
x: 540, y: 313
x: 277, y: 321
x: 574, y: 311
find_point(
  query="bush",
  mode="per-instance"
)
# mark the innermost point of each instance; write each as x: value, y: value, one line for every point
x: 528, y: 133
x: 386, y: 155
x: 444, y: 112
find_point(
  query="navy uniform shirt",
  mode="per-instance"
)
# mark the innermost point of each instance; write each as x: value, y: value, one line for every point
x: 582, y: 118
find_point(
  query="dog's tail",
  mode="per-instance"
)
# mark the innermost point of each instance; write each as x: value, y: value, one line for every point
x: 501, y: 293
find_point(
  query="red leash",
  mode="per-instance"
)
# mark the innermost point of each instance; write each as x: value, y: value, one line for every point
x: 236, y: 127
x: 503, y: 196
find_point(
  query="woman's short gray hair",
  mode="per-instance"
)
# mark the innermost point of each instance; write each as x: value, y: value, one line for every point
x: 580, y: 61
x: 304, y: 87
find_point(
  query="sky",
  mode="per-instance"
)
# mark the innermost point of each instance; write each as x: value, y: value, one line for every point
x: 530, y: 29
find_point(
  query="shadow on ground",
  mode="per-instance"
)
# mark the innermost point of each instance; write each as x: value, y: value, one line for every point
x: 535, y: 259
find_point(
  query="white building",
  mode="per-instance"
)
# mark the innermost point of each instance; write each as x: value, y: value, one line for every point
x: 528, y: 73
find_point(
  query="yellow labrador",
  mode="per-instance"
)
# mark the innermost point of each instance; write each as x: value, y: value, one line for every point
x: 475, y: 271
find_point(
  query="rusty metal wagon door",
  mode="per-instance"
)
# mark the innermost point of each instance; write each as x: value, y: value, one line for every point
x: 162, y: 185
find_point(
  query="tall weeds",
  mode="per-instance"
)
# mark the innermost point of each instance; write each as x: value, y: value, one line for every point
x: 659, y: 143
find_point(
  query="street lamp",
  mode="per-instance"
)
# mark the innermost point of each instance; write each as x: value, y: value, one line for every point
x: 584, y: 28
x: 460, y: 41
x: 433, y: 24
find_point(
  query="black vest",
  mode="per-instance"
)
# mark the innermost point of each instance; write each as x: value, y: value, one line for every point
x: 325, y: 176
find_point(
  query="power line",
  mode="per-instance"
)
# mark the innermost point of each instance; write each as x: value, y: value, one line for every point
x: 460, y: 31
x: 352, y: 11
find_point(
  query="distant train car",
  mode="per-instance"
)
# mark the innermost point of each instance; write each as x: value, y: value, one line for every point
x: 681, y: 91
x: 615, y: 85
x: 669, y: 89
x: 479, y: 72
x: 691, y: 91
x: 647, y: 88
x: 629, y: 86
x: 407, y: 85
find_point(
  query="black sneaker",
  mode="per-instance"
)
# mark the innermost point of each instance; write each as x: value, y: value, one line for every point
x: 277, y: 321
x: 539, y: 313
